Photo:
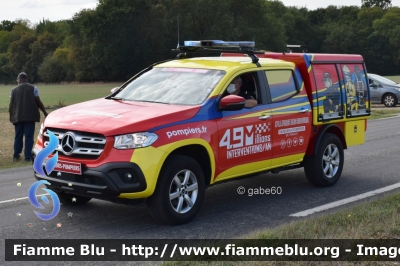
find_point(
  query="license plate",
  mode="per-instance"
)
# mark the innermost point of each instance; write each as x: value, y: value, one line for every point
x: 68, y: 167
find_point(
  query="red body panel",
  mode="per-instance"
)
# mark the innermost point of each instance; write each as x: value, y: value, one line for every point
x: 110, y: 117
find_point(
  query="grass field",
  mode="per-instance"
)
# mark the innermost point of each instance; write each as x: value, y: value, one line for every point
x: 53, y: 95
x: 379, y: 112
x: 394, y: 78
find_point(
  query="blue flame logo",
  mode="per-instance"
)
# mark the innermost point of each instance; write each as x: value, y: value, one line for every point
x: 38, y: 167
x: 32, y: 198
x: 42, y: 155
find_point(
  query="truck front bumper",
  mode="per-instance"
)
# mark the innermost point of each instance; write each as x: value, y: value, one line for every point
x: 105, y: 182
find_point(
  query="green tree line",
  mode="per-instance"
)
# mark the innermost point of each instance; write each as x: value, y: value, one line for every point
x: 120, y: 37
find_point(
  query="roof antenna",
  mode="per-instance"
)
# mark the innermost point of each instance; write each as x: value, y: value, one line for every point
x: 178, y: 32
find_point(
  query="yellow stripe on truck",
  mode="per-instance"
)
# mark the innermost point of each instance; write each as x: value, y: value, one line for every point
x: 245, y: 169
x: 151, y: 160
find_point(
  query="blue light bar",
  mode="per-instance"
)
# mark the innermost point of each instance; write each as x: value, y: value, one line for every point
x: 218, y: 43
x: 192, y: 43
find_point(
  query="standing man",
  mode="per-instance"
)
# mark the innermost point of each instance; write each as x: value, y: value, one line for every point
x: 24, y: 104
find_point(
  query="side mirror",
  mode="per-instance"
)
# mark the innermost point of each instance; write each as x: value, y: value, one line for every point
x: 373, y: 85
x: 114, y: 89
x: 232, y: 103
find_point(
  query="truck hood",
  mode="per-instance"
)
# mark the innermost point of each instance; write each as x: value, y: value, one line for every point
x: 114, y: 117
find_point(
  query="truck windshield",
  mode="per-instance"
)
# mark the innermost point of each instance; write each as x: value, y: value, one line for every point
x: 181, y: 86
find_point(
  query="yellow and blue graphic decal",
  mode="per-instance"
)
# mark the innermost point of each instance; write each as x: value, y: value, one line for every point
x: 308, y: 58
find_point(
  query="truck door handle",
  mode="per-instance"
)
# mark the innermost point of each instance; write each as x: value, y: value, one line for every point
x: 263, y: 117
x: 304, y: 110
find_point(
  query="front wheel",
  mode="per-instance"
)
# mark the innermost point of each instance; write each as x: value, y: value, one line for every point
x: 390, y: 100
x: 179, y: 193
x: 324, y: 169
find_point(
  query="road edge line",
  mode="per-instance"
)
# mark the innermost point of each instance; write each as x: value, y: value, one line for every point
x: 345, y: 201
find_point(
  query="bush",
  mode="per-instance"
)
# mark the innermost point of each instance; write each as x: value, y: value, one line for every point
x: 52, y: 70
x: 56, y: 68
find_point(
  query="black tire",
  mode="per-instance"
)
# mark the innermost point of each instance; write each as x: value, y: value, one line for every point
x: 389, y: 100
x: 325, y: 168
x: 72, y: 200
x: 170, y: 201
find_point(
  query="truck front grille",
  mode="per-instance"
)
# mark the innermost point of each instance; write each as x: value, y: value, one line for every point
x: 77, y: 144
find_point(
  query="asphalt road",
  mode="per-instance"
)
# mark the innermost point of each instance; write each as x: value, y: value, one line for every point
x: 225, y: 213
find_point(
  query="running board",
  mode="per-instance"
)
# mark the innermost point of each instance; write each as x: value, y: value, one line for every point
x: 285, y: 168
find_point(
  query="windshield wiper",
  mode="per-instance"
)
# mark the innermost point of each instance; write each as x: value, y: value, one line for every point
x: 149, y: 101
x: 116, y: 98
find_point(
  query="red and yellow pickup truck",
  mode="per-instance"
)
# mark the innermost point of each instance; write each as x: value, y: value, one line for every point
x: 185, y: 124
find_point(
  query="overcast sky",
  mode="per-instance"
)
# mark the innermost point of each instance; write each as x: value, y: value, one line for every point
x: 36, y: 10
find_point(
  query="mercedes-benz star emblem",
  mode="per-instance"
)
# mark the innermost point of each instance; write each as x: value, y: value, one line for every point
x: 68, y: 144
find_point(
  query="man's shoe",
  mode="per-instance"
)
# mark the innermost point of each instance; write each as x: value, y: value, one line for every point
x: 16, y: 159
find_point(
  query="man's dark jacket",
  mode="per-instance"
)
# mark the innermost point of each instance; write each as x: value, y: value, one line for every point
x: 23, y: 107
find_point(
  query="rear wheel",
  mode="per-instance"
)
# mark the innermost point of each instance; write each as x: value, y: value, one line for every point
x: 324, y: 169
x: 390, y: 100
x: 72, y: 200
x: 179, y: 193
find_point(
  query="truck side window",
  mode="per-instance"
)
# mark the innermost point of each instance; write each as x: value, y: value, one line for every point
x: 330, y: 103
x: 281, y: 84
x: 356, y: 90
x: 360, y: 85
x: 245, y: 86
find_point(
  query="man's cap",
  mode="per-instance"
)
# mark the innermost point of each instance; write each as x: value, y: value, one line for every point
x: 327, y: 75
x: 22, y: 75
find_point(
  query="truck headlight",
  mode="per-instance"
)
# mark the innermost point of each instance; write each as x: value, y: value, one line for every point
x: 398, y: 89
x: 41, y: 131
x: 136, y: 140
